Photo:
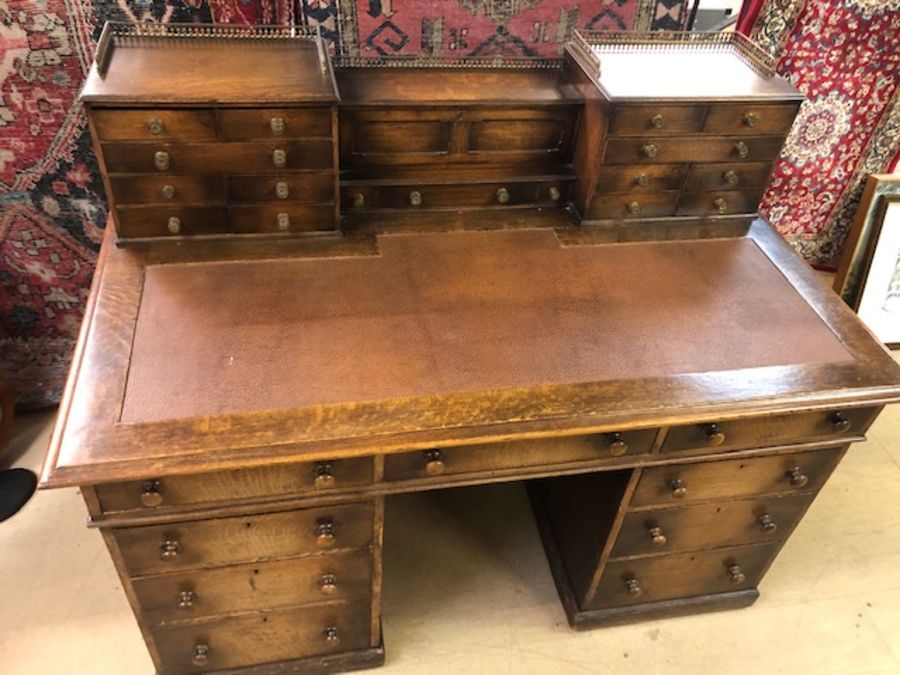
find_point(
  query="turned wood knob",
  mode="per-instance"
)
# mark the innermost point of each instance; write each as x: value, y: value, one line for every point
x: 633, y: 587
x: 642, y: 180
x: 328, y: 584
x: 736, y: 574
x: 730, y: 177
x: 331, y: 635
x: 201, y: 655
x: 282, y: 190
x: 657, y: 121
x: 657, y: 537
x: 839, y: 423
x: 276, y: 124
x: 150, y: 494
x: 186, y: 599
x: 434, y: 463
x: 324, y: 475
x: 798, y: 478
x: 678, y: 488
x: 173, y: 225
x: 555, y: 194
x: 279, y: 158
x: 155, y: 126
x: 714, y: 437
x: 415, y: 198
x: 325, y: 537
x: 502, y: 195
x: 168, y: 191
x: 720, y: 205
x: 767, y: 523
x: 161, y: 160
x: 359, y: 200
x: 650, y: 150
x: 617, y: 445
x: 634, y: 208
x: 169, y: 550
x: 742, y: 150
x: 750, y: 119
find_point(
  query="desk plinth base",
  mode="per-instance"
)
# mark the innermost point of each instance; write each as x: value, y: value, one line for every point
x: 332, y: 663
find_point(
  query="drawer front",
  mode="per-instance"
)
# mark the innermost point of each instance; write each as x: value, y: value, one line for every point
x: 306, y: 188
x: 286, y: 217
x: 769, y: 430
x: 157, y: 221
x: 704, y: 526
x: 750, y: 118
x: 710, y: 177
x: 168, y: 189
x: 222, y: 157
x: 210, y: 489
x: 154, y: 125
x: 539, y: 132
x: 516, y: 455
x: 682, y: 575
x: 266, y: 637
x: 656, y: 120
x: 363, y: 197
x: 650, y: 178
x: 633, y: 205
x: 692, y: 149
x: 239, y: 124
x: 778, y: 474
x: 268, y: 585
x: 172, y: 547
x: 718, y: 203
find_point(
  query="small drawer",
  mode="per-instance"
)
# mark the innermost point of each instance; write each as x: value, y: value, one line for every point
x: 718, y: 203
x: 287, y: 217
x: 750, y: 118
x: 682, y: 575
x: 501, y: 193
x: 205, y: 490
x: 633, y: 205
x: 650, y: 178
x: 708, y: 481
x: 241, y: 588
x: 154, y: 125
x: 305, y: 188
x: 171, y: 221
x: 657, y: 150
x: 241, y: 124
x: 156, y: 549
x: 280, y: 635
x: 704, y: 526
x: 168, y: 189
x: 515, y: 455
x: 752, y: 432
x: 656, y: 120
x: 711, y: 177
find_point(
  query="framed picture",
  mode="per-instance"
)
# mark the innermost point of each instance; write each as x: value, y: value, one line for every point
x: 868, y: 278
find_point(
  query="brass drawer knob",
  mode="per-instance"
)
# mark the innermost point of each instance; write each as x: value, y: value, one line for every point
x: 174, y: 225
x: 186, y: 599
x: 720, y: 205
x: 634, y: 208
x: 714, y: 436
x: 657, y: 121
x: 434, y: 463
x: 325, y: 533
x: 324, y: 473
x: 283, y: 221
x: 359, y: 200
x: 503, y: 195
x: 730, y: 177
x: 201, y: 655
x: 678, y: 488
x: 282, y: 191
x: 169, y: 550
x: 161, y: 160
x: 742, y: 150
x: 415, y: 198
x: 155, y: 126
x: 151, y: 495
x: 657, y: 538
x: 279, y: 158
x: 750, y: 119
x: 839, y: 423
x: 736, y: 574
x: 617, y: 445
x: 331, y: 635
x: 555, y: 194
x: 328, y: 584
x: 650, y: 150
x: 276, y: 124
x: 168, y: 191
x: 767, y: 523
x: 633, y: 587
x: 798, y: 478
x: 642, y: 180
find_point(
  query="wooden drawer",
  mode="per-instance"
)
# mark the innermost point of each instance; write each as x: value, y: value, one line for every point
x: 516, y: 455
x: 633, y: 205
x: 168, y: 189
x: 754, y: 432
x: 211, y: 489
x: 706, y: 481
x: 682, y: 575
x: 650, y: 178
x: 709, y: 177
x: 240, y: 124
x: 267, y: 585
x: 285, y: 217
x: 718, y: 203
x: 157, y: 221
x: 750, y: 118
x: 156, y: 549
x: 124, y: 124
x: 221, y: 157
x: 704, y: 526
x: 505, y: 193
x: 281, y: 635
x: 305, y: 188
x: 692, y: 149
x: 656, y: 120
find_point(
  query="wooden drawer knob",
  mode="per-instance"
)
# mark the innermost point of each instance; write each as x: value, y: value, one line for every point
x: 555, y: 194
x: 331, y: 635
x: 279, y: 158
x: 730, y: 177
x: 839, y: 423
x: 503, y: 195
x: 634, y: 208
x: 767, y: 523
x: 736, y: 574
x: 201, y: 655
x: 325, y: 530
x: 798, y: 478
x: 633, y: 587
x: 415, y: 198
x: 283, y: 221
x: 151, y: 494
x: 642, y: 180
x: 720, y: 205
x: 186, y: 599
x: 324, y: 475
x: 169, y: 550
x: 276, y: 124
x: 742, y: 150
x: 161, y: 160
x: 657, y: 121
x: 617, y: 445
x: 657, y: 537
x: 173, y: 225
x: 282, y: 190
x: 750, y: 119
x: 155, y: 126
x: 678, y: 488
x: 359, y: 200
x: 328, y: 584
x: 434, y: 463
x: 168, y: 191
x: 649, y: 150
x: 714, y: 437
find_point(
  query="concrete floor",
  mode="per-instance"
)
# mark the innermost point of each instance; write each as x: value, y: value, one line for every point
x: 467, y: 588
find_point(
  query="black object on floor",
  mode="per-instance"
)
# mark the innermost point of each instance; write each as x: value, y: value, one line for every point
x: 16, y: 488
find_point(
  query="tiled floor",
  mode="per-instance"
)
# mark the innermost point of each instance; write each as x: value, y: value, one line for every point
x: 467, y: 588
